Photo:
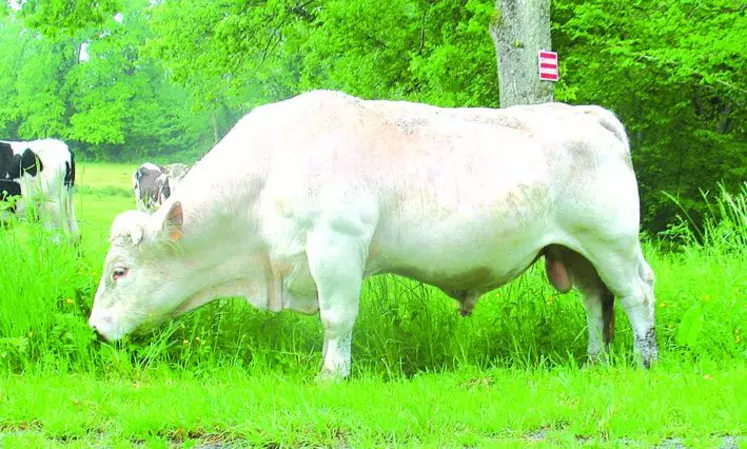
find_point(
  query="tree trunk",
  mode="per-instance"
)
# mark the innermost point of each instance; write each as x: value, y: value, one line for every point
x: 520, y: 29
x: 215, y: 127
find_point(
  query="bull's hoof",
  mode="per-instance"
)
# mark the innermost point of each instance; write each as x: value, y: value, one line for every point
x: 649, y: 360
x: 648, y: 349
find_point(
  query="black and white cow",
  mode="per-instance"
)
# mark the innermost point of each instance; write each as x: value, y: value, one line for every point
x: 39, y: 172
x: 153, y: 184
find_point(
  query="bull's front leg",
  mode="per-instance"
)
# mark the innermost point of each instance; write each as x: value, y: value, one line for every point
x: 336, y: 257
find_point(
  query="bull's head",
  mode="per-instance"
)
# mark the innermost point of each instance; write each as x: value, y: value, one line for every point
x: 132, y: 292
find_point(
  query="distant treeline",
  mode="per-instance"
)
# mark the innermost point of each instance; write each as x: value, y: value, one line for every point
x: 166, y: 79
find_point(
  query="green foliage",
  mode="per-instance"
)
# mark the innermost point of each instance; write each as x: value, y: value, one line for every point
x: 690, y: 327
x: 673, y: 72
x: 115, y: 104
x: 31, y: 80
x: 431, y: 51
x: 54, y: 17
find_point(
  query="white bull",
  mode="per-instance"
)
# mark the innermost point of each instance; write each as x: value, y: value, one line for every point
x: 305, y: 198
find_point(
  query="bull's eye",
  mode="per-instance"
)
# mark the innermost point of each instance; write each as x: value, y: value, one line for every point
x: 119, y: 273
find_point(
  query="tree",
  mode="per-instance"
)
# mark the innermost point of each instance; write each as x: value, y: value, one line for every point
x: 54, y: 18
x: 31, y: 81
x: 245, y: 54
x: 673, y: 72
x: 520, y: 29
x: 115, y: 104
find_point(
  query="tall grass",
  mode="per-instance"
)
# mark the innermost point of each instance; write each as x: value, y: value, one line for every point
x: 403, y: 328
x: 724, y: 227
x: 714, y: 254
x: 43, y: 289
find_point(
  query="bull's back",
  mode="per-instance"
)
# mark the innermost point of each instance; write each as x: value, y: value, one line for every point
x: 477, y: 192
x: 480, y: 192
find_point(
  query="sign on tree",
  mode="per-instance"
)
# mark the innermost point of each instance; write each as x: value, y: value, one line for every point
x: 548, y: 65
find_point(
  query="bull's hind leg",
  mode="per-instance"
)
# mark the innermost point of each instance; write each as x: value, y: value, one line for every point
x: 628, y: 276
x: 336, y: 253
x: 566, y: 268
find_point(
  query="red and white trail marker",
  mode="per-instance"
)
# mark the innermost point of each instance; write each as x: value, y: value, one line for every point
x: 548, y: 65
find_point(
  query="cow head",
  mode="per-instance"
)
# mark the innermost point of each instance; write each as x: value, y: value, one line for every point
x: 13, y: 166
x: 131, y: 293
x: 145, y: 182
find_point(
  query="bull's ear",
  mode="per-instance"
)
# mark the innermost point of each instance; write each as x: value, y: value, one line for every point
x: 173, y: 224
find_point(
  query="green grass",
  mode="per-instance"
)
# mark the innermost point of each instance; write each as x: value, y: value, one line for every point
x: 96, y: 175
x: 465, y: 408
x: 422, y: 375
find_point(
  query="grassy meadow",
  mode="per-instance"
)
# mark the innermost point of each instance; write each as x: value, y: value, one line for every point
x: 508, y: 376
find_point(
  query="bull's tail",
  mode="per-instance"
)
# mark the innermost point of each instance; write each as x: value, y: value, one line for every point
x: 609, y: 121
x: 608, y: 315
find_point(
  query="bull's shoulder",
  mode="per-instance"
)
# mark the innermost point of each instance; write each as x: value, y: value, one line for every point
x: 319, y: 99
x: 304, y: 112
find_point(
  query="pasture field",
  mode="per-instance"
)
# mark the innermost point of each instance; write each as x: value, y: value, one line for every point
x: 228, y: 376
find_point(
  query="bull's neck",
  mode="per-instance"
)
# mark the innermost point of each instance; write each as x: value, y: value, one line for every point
x: 219, y: 247
x: 220, y: 257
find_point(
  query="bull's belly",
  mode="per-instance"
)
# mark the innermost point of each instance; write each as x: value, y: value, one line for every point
x: 474, y: 245
x: 467, y: 258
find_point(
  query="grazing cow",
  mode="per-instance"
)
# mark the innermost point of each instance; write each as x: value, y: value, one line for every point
x: 153, y: 184
x: 305, y: 198
x: 42, y: 173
